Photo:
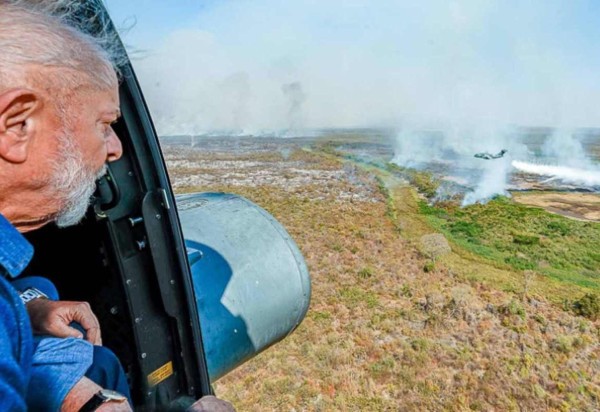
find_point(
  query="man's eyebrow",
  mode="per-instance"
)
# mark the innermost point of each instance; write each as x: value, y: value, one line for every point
x: 116, y: 113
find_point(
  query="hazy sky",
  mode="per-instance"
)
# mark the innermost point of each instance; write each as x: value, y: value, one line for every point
x: 208, y: 65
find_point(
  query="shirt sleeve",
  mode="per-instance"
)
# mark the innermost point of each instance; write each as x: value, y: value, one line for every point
x: 58, y: 364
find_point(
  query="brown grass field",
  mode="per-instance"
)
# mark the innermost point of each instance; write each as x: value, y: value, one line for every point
x: 582, y: 206
x: 394, y: 324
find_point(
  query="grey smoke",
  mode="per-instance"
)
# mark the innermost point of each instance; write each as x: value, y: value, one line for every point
x: 454, y: 147
x: 565, y: 160
x: 563, y: 148
x: 492, y: 183
x: 235, y: 93
x: 295, y: 97
x: 562, y: 158
x: 365, y: 63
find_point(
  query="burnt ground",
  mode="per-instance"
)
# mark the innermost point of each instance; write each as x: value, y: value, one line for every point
x: 581, y: 206
x: 387, y: 330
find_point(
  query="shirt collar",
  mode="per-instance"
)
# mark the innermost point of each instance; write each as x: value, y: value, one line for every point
x: 15, y: 251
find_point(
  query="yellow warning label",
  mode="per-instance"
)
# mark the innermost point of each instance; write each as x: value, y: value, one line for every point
x: 160, y: 374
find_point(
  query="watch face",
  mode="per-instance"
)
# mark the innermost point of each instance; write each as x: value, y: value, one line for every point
x: 112, y: 395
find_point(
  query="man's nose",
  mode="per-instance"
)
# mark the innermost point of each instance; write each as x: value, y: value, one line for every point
x: 114, y: 148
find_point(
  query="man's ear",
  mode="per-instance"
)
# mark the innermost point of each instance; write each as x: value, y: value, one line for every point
x: 16, y: 109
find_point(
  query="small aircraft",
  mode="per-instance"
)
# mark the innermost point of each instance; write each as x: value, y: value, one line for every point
x: 489, y: 156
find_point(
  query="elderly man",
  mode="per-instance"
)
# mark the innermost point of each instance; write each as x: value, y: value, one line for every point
x: 58, y: 99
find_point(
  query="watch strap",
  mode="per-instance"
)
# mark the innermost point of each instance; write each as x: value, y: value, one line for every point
x: 101, y: 397
x: 93, y: 404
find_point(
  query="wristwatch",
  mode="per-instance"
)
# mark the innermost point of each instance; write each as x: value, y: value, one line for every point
x: 30, y: 294
x: 101, y: 397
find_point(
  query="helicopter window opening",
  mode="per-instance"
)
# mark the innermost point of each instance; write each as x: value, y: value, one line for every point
x: 75, y: 261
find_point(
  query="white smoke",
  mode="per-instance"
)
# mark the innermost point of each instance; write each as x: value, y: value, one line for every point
x: 585, y: 177
x: 296, y: 97
x: 565, y: 159
x: 364, y: 63
x: 492, y: 183
x: 564, y: 148
x: 416, y: 149
x: 455, y: 148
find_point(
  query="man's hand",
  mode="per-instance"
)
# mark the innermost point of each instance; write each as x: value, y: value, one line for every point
x: 49, y: 317
x: 211, y: 404
x: 83, y: 391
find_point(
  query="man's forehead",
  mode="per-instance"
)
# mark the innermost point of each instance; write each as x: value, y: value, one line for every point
x: 106, y: 101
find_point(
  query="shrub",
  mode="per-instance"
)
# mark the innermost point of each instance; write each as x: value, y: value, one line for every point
x: 383, y: 367
x: 425, y: 183
x: 393, y: 167
x: 466, y: 229
x: 588, y: 306
x: 427, y: 209
x: 520, y: 263
x: 512, y: 308
x: 337, y: 247
x: 558, y: 227
x: 354, y: 296
x: 563, y: 344
x: 365, y: 273
x: 419, y: 344
x: 429, y: 267
x: 526, y: 240
x: 321, y: 316
x: 405, y: 291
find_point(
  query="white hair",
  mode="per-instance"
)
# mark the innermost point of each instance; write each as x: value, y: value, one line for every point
x: 51, y: 35
x: 61, y: 46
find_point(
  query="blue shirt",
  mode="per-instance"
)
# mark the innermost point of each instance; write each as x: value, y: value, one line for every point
x: 16, y: 338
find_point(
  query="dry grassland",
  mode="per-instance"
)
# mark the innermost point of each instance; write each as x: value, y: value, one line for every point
x: 387, y: 329
x: 582, y: 206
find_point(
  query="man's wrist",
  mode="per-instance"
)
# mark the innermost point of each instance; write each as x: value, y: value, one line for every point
x: 30, y: 294
x: 102, y: 397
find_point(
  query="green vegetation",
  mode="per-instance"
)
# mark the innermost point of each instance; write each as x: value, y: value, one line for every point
x: 588, y: 306
x: 354, y: 296
x: 424, y: 181
x: 474, y: 332
x: 365, y: 273
x: 523, y: 238
x: 389, y: 200
x: 512, y: 308
x: 429, y: 267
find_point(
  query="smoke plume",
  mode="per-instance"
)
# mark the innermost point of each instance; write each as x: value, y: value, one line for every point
x: 578, y: 176
x: 454, y: 149
x: 293, y: 92
x: 563, y: 148
x: 492, y: 182
x: 365, y: 64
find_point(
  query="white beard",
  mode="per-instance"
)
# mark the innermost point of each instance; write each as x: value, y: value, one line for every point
x: 73, y: 182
